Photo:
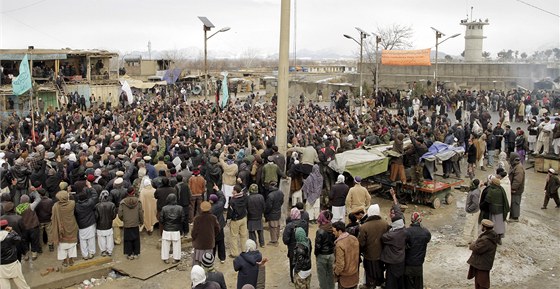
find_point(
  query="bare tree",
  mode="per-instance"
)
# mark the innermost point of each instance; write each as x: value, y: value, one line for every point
x: 177, y: 57
x: 248, y: 57
x: 395, y: 36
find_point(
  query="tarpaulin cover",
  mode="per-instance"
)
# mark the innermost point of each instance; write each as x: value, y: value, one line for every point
x: 442, y: 152
x: 360, y: 162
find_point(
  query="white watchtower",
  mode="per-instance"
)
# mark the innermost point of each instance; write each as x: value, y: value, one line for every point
x: 473, y: 39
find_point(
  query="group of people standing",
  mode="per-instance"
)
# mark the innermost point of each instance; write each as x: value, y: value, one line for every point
x: 82, y: 176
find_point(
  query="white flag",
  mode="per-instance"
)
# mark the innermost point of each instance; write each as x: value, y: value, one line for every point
x: 128, y: 91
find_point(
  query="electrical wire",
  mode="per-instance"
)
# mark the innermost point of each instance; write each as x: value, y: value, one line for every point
x: 47, y: 34
x: 21, y: 8
x: 538, y: 8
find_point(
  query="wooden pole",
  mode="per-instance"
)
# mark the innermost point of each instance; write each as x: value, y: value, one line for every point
x: 283, y: 92
x: 31, y: 99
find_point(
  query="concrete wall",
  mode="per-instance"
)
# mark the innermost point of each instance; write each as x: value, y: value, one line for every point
x: 468, y: 75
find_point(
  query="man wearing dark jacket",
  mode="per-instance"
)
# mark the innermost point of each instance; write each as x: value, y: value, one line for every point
x: 393, y: 252
x: 10, y: 267
x: 417, y: 239
x: 498, y: 131
x: 85, y: 217
x: 551, y: 188
x: 337, y: 197
x: 183, y: 200
x: 117, y: 194
x: 105, y: 212
x: 237, y: 213
x: 255, y: 210
x: 273, y: 212
x: 171, y: 222
x: 483, y: 254
x: 21, y: 173
x: 370, y: 245
x: 160, y: 195
x: 44, y: 213
x: 517, y: 179
x: 509, y: 140
x: 218, y: 200
x: 324, y: 251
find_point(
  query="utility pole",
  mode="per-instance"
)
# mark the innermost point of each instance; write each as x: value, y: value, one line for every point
x: 283, y: 93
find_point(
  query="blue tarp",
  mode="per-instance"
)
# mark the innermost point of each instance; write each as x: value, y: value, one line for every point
x: 441, y: 151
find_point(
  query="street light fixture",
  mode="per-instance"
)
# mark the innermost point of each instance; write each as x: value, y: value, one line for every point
x: 363, y: 36
x: 440, y: 34
x: 207, y: 25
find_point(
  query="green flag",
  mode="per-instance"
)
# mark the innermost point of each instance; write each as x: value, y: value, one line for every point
x: 225, y: 90
x: 22, y: 83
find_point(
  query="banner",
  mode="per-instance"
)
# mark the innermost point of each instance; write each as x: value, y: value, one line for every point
x: 128, y: 91
x: 225, y: 91
x: 406, y: 57
x: 22, y: 83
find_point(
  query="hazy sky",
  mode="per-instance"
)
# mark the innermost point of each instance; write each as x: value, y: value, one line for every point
x: 128, y: 25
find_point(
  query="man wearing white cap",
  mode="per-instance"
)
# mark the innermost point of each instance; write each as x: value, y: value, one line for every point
x: 337, y: 198
x: 370, y: 245
x: 198, y: 279
x: 551, y: 188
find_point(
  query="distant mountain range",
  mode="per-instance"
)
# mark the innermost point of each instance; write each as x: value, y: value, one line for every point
x: 193, y: 53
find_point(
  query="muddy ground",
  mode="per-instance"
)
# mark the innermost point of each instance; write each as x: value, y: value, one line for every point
x: 528, y: 258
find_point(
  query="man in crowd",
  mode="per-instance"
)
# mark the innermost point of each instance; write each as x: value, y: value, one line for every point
x: 10, y: 267
x: 517, y: 178
x: 370, y: 246
x: 205, y: 229
x: 483, y: 254
x: 347, y: 255
x: 358, y: 196
x: 417, y: 239
x: 273, y: 212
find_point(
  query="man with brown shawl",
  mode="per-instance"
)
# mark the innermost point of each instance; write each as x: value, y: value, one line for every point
x: 64, y: 232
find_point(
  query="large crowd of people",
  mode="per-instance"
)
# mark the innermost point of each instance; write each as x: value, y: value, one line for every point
x: 76, y: 176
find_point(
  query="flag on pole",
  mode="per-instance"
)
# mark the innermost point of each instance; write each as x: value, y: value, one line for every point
x: 128, y: 91
x: 22, y: 83
x: 225, y: 91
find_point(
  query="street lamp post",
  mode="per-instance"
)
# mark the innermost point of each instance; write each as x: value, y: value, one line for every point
x: 363, y: 36
x: 377, y: 41
x: 440, y: 34
x: 207, y: 25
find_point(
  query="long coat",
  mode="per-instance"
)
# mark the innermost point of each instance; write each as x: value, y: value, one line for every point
x: 484, y: 251
x: 370, y: 237
x: 150, y: 209
x: 204, y: 231
x: 246, y: 265
x: 347, y: 255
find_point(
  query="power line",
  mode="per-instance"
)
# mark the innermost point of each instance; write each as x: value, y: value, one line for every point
x: 51, y: 36
x: 538, y: 8
x: 21, y: 8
